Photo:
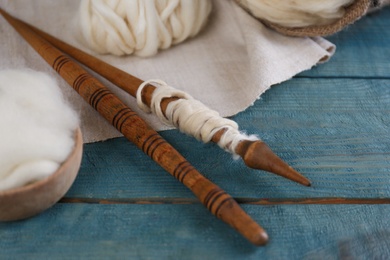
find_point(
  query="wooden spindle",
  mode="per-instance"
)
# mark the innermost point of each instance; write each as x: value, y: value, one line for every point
x: 253, y: 153
x: 149, y: 141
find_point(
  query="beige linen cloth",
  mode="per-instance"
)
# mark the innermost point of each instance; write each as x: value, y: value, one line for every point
x: 227, y: 66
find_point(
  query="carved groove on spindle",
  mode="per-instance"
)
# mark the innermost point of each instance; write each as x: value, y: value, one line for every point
x: 209, y: 195
x: 152, y: 143
x: 97, y: 96
x: 59, y: 62
x: 182, y: 170
x: 146, y: 141
x: 179, y: 169
x: 125, y: 119
x: 222, y: 203
x: 186, y: 169
x: 156, y: 143
x: 121, y: 117
x: 212, y: 197
x: 78, y: 82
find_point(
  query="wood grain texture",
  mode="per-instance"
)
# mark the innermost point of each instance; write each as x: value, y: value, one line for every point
x: 85, y: 231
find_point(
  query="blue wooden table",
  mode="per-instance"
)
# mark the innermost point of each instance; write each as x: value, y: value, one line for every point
x: 331, y: 123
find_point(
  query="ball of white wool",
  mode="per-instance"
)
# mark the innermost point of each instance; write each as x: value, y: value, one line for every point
x: 37, y: 127
x: 141, y: 27
x: 297, y: 13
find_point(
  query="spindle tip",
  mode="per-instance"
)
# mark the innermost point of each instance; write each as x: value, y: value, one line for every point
x: 261, y: 239
x: 257, y: 155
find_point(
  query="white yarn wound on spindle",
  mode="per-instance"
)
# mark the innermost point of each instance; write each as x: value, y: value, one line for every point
x: 192, y: 117
x: 297, y: 13
x: 141, y: 27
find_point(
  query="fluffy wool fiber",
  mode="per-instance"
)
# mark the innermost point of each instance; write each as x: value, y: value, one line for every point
x: 37, y: 127
x: 141, y: 27
x: 297, y: 13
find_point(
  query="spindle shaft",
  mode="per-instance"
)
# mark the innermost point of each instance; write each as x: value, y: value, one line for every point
x: 149, y: 141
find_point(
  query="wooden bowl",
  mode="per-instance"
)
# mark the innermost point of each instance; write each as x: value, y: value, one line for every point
x: 27, y: 201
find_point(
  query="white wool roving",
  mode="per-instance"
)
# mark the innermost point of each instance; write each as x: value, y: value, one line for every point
x: 192, y: 117
x: 37, y: 127
x: 297, y: 13
x: 141, y: 27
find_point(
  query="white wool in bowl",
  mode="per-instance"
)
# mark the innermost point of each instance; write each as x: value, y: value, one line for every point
x: 37, y: 127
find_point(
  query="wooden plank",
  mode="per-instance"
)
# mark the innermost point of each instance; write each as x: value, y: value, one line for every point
x: 362, y: 50
x: 89, y: 231
x: 335, y: 131
x: 251, y: 201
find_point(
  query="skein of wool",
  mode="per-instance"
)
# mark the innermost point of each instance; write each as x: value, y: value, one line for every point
x: 297, y: 13
x: 140, y: 27
x: 310, y: 17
